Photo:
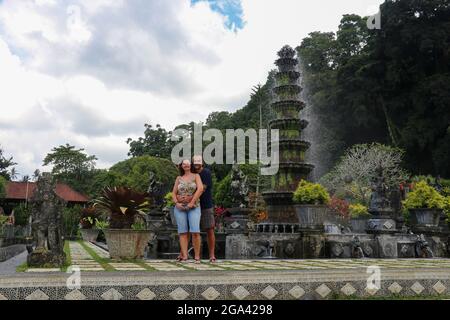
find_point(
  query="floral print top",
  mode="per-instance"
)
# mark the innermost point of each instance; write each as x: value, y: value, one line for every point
x: 187, y: 188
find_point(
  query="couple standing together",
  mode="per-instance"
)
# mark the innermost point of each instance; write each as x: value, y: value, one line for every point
x: 192, y: 194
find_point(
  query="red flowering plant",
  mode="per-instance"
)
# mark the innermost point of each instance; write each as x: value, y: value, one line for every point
x: 219, y: 214
x: 339, y: 207
x: 258, y: 207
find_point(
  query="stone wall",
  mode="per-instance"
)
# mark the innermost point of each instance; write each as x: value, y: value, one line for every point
x: 11, y: 251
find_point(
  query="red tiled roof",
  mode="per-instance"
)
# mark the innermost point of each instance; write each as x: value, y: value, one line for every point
x: 18, y: 190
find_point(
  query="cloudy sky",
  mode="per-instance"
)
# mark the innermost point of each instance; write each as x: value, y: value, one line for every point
x: 92, y: 72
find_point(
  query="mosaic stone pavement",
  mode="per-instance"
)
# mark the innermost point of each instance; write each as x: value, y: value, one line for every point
x: 86, y: 262
x: 226, y: 279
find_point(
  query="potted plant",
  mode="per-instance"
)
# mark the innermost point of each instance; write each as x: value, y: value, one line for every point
x: 359, y: 216
x: 311, y: 201
x: 127, y: 235
x: 425, y: 205
x: 89, y: 217
x: 170, y: 205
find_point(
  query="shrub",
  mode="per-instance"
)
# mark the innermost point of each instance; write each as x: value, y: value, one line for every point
x: 358, y: 210
x: 21, y: 214
x: 311, y: 193
x: 339, y: 206
x: 222, y: 193
x: 169, y: 200
x: 424, y: 196
x: 71, y: 220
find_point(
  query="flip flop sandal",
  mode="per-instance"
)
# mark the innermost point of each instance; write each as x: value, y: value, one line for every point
x: 212, y: 260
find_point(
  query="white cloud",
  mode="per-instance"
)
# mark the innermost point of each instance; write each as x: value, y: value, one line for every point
x: 92, y: 72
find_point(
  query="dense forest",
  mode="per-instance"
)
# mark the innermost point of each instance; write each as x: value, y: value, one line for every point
x: 388, y: 85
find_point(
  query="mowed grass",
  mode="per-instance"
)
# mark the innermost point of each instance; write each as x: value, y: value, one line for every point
x: 102, y: 261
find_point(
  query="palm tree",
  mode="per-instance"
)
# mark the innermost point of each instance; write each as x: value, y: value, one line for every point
x: 13, y: 173
x: 36, y: 174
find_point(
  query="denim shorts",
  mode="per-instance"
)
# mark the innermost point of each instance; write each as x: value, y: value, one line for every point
x: 188, y: 221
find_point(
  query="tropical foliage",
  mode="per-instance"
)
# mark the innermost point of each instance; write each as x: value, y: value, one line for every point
x: 425, y: 196
x: 89, y: 217
x: 123, y: 205
x: 311, y: 193
x: 358, y: 210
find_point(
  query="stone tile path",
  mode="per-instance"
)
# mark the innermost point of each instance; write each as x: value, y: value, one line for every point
x: 80, y: 257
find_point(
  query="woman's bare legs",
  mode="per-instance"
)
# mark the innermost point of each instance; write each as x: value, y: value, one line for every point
x: 196, y: 242
x: 184, y: 240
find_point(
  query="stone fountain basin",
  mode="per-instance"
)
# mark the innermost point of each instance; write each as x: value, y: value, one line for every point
x: 311, y: 216
x: 425, y: 217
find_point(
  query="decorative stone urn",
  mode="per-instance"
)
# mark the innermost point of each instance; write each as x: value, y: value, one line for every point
x: 425, y: 219
x: 127, y: 243
x: 89, y: 235
x: 311, y: 216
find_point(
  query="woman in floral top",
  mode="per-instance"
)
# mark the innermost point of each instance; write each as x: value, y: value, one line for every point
x: 186, y: 193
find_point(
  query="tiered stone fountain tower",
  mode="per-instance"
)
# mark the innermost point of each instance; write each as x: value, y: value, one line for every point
x: 287, y: 104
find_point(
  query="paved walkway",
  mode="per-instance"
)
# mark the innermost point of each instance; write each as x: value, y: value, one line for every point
x: 81, y: 258
x: 227, y: 279
x: 9, y: 266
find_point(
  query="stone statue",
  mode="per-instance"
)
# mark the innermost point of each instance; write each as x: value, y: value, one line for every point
x: 47, y: 229
x: 423, y: 249
x: 239, y: 187
x: 155, y: 190
x: 379, y: 200
x: 357, y: 251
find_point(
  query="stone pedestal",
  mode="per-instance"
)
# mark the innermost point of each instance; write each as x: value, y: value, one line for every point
x: 237, y: 222
x: 237, y: 247
x: 381, y: 226
x: 43, y: 258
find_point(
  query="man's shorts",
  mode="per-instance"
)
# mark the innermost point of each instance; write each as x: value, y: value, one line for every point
x: 207, y: 219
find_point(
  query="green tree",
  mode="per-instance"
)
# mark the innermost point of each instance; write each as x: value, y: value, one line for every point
x: 135, y: 172
x: 388, y: 85
x: 155, y: 143
x: 5, y: 163
x: 72, y: 166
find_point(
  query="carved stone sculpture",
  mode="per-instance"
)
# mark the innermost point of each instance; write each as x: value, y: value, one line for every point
x: 239, y: 188
x: 46, y: 213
